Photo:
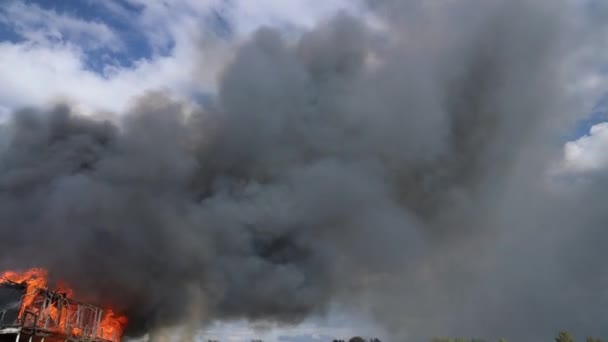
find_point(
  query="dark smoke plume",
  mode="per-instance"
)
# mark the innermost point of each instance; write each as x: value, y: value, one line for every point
x: 400, y: 169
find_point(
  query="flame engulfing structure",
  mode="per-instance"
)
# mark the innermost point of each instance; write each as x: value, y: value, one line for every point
x: 29, y: 309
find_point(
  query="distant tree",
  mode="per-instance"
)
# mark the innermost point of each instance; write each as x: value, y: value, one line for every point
x: 356, y: 339
x: 441, y: 339
x: 591, y: 339
x: 375, y: 340
x: 502, y: 339
x: 460, y: 339
x: 564, y: 336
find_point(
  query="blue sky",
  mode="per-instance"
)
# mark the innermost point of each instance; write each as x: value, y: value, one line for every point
x: 89, y: 50
x: 100, y: 54
x: 117, y: 16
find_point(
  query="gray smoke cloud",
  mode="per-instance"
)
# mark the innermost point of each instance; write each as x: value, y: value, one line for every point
x: 398, y: 169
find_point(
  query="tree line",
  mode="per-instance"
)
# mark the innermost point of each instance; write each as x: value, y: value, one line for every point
x: 563, y: 336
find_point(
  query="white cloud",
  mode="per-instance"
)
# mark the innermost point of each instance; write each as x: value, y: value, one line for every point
x: 36, y: 72
x: 51, y: 63
x: 335, y: 325
x: 37, y: 75
x: 588, y: 153
x: 248, y: 15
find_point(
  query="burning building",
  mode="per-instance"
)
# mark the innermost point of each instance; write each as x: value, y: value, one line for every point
x: 31, y: 311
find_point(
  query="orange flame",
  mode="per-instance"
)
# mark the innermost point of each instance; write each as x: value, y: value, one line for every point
x: 35, y: 278
x: 111, y: 324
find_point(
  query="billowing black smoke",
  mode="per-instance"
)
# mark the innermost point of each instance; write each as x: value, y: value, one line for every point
x: 398, y: 169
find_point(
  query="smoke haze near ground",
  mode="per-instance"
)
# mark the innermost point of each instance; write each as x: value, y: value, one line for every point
x: 399, y: 169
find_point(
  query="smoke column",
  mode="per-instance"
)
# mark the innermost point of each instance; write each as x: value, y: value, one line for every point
x: 398, y: 168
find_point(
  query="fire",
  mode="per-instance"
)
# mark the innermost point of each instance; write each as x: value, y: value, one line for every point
x: 113, y: 324
x: 35, y: 278
x: 108, y: 324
